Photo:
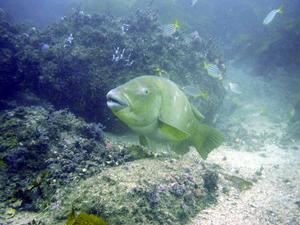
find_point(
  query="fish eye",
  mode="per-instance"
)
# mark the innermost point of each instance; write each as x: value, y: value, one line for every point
x: 145, y: 91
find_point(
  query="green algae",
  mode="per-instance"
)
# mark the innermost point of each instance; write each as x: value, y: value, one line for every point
x: 84, y: 219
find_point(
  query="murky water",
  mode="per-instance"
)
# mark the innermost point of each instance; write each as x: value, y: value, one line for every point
x: 149, y: 112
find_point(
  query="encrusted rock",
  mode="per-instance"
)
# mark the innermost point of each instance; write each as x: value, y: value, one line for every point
x: 42, y: 150
x: 146, y: 191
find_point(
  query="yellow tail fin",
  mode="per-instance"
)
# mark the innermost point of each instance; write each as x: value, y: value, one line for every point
x: 205, y: 139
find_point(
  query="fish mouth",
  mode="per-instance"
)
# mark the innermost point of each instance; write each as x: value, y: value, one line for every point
x: 115, y: 102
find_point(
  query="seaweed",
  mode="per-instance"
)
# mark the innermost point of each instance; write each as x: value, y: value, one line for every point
x: 84, y: 219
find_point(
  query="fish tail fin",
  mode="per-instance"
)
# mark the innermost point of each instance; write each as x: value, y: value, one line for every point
x: 205, y: 139
x: 281, y: 10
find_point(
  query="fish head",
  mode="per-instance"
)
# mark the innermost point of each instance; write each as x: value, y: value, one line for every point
x: 137, y: 103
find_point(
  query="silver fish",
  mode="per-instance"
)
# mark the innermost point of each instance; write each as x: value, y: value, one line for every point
x: 235, y: 88
x: 271, y: 15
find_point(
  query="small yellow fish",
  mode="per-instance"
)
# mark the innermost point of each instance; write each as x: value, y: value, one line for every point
x: 177, y: 25
x: 213, y: 70
x: 170, y: 29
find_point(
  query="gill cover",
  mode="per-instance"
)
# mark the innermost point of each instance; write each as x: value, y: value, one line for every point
x: 144, y: 102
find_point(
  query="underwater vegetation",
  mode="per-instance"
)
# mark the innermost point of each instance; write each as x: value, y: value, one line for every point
x: 84, y: 218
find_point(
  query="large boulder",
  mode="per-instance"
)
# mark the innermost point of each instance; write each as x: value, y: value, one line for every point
x: 146, y: 191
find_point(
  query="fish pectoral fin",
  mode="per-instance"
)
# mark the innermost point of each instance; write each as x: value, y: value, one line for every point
x: 205, y: 139
x: 197, y: 114
x: 172, y: 132
x: 143, y: 141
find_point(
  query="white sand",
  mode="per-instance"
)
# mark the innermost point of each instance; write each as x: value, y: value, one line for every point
x: 270, y: 201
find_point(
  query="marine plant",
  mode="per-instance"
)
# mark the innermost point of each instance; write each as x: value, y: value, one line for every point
x: 84, y: 219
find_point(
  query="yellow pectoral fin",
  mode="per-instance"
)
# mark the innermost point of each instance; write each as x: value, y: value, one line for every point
x: 172, y: 132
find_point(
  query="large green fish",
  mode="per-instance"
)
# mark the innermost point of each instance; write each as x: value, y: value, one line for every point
x: 156, y: 109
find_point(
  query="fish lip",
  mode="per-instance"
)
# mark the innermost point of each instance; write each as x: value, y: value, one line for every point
x: 115, y: 101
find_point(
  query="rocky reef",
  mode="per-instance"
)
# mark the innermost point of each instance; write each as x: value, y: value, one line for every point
x: 42, y: 150
x: 76, y: 61
x: 11, y: 44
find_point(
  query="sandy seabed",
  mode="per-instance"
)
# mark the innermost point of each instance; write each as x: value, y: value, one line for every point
x: 275, y: 196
